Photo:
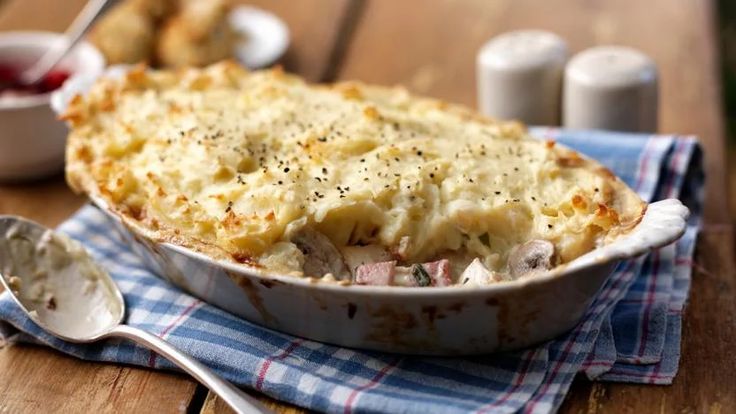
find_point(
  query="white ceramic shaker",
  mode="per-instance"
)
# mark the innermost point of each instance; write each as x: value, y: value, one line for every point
x: 610, y: 87
x: 519, y: 76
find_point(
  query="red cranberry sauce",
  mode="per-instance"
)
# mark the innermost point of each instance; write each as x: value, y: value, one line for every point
x: 10, y: 84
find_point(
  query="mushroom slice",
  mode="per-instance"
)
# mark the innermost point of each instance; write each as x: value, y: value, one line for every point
x: 531, y: 257
x: 320, y: 255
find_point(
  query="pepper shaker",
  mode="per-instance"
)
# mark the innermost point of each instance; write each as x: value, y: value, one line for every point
x: 611, y: 87
x: 519, y: 76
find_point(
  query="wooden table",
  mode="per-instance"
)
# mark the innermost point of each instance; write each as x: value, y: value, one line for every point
x: 430, y: 47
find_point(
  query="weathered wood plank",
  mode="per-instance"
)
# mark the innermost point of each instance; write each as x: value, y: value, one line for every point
x: 39, y: 380
x: 38, y: 14
x: 214, y: 405
x: 49, y: 201
x: 314, y: 27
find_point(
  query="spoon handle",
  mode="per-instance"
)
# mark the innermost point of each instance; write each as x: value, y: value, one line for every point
x: 234, y: 397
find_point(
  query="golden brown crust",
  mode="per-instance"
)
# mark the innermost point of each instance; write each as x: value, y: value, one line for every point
x: 228, y: 162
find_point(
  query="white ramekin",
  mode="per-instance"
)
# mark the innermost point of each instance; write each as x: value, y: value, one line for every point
x: 32, y: 139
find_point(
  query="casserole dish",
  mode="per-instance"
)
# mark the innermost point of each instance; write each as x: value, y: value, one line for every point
x: 438, y: 320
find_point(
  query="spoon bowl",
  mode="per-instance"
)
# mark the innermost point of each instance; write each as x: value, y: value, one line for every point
x: 64, y: 291
x: 57, y: 283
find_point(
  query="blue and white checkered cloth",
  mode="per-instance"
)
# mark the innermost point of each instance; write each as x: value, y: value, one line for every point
x: 631, y: 332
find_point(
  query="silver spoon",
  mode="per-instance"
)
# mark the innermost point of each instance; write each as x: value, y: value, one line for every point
x: 74, y: 33
x: 55, y: 281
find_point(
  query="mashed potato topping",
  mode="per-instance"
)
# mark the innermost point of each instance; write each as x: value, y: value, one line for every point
x: 265, y: 169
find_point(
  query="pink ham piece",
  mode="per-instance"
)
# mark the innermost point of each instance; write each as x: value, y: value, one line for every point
x: 376, y: 274
x: 439, y: 272
x: 387, y: 273
x: 356, y: 256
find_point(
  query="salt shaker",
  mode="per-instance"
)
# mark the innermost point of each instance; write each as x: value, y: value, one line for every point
x: 519, y: 76
x: 610, y: 87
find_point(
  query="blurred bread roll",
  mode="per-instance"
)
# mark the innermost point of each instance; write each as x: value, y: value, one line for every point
x: 126, y: 34
x: 197, y: 35
x: 166, y: 32
x: 156, y: 9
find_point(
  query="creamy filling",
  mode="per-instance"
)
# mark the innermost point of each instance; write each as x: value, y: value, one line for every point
x: 375, y: 265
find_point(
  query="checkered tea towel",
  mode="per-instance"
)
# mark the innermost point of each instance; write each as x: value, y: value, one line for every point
x: 630, y: 333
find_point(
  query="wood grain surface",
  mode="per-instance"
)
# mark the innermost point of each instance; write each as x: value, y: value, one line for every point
x: 315, y: 26
x: 37, y: 380
x: 430, y: 48
x: 214, y: 405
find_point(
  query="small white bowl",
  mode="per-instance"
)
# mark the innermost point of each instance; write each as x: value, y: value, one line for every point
x: 265, y: 36
x: 32, y: 139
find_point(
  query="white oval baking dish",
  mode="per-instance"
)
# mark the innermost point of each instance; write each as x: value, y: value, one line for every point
x: 430, y: 321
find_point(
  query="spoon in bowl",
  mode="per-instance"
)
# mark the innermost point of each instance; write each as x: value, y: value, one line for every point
x: 73, y: 34
x: 60, y: 287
